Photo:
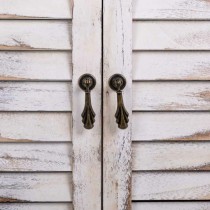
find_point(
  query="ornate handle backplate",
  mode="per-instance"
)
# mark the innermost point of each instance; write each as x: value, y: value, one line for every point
x: 117, y: 83
x: 87, y: 82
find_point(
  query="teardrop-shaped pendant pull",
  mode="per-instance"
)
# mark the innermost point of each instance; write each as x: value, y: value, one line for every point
x: 87, y: 82
x: 117, y: 83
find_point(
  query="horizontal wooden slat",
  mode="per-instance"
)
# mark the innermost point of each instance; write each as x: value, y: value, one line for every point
x: 29, y: 127
x: 35, y: 65
x: 171, y: 186
x: 36, y: 206
x: 30, y: 96
x: 171, y: 156
x: 23, y: 9
x: 35, y: 157
x: 173, y: 9
x: 171, y: 65
x: 35, y: 187
x: 170, y: 205
x: 171, y: 96
x: 171, y: 35
x: 35, y: 34
x: 171, y: 126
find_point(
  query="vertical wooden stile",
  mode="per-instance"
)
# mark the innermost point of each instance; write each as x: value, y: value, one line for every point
x: 117, y: 53
x: 86, y: 42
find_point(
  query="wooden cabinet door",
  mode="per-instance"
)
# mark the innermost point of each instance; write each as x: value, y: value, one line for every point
x: 168, y: 79
x: 48, y: 161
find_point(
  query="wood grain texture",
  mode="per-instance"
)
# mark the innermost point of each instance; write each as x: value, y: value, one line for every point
x: 35, y: 187
x: 35, y: 157
x: 171, y: 205
x: 171, y: 126
x: 35, y: 9
x: 173, y: 9
x: 159, y: 35
x: 87, y: 32
x: 29, y: 96
x: 172, y: 65
x: 35, y: 66
x: 31, y: 127
x: 117, y: 53
x: 171, y: 186
x: 171, y: 156
x: 35, y: 35
x: 171, y: 96
x: 36, y: 206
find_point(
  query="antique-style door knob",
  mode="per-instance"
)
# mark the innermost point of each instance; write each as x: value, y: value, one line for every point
x: 87, y: 82
x: 117, y: 83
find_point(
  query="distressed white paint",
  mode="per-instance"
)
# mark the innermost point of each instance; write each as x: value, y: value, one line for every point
x: 171, y: 205
x: 35, y: 65
x: 30, y: 96
x: 171, y: 156
x: 86, y: 143
x: 35, y: 157
x: 171, y: 126
x: 35, y: 34
x: 35, y: 187
x: 29, y: 127
x: 173, y: 9
x: 159, y: 65
x: 171, y: 35
x: 35, y: 206
x: 171, y: 186
x: 117, y: 143
x: 171, y: 96
x: 32, y: 9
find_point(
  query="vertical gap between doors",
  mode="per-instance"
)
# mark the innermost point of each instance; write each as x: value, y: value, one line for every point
x: 102, y: 102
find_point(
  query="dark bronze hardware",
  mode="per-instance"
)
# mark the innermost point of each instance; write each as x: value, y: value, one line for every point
x: 117, y: 83
x: 87, y: 82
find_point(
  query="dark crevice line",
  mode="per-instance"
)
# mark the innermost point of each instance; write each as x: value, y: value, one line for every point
x: 170, y: 111
x: 169, y: 141
x: 38, y: 19
x: 35, y: 111
x: 169, y: 20
x: 167, y: 201
x: 171, y: 50
x: 35, y: 80
x: 36, y: 172
x: 171, y: 80
x: 102, y: 102
x: 171, y: 171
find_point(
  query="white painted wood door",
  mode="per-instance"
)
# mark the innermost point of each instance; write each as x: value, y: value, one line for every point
x: 48, y: 161
x: 162, y: 47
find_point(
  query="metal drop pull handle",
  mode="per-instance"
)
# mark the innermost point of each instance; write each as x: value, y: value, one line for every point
x: 87, y: 82
x: 117, y: 82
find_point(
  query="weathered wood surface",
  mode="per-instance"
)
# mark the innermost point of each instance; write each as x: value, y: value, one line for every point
x: 117, y: 55
x: 171, y: 156
x: 33, y: 9
x: 171, y: 96
x: 160, y: 35
x: 35, y: 35
x: 173, y: 9
x: 171, y: 186
x: 30, y: 96
x: 86, y: 33
x: 171, y: 205
x: 31, y: 127
x: 36, y: 206
x: 35, y: 157
x: 35, y: 65
x: 35, y: 187
x: 171, y: 126
x: 172, y: 65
